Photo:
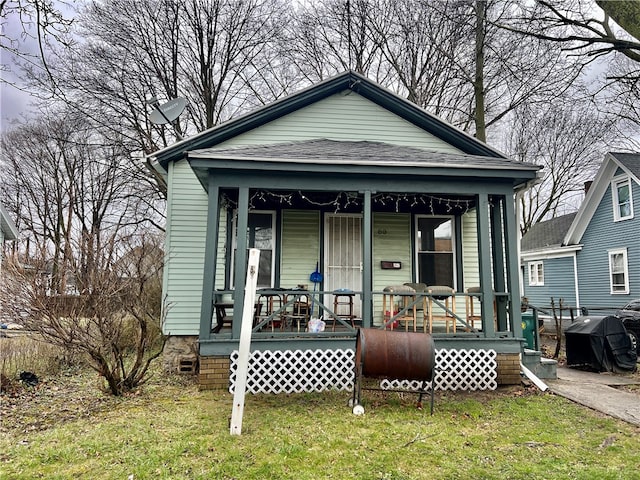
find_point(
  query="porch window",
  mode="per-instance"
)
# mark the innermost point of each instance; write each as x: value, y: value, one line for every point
x: 261, y: 235
x: 618, y: 271
x: 435, y: 250
x: 536, y: 274
x: 622, y: 201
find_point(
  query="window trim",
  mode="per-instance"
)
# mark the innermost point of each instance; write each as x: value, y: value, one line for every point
x: 234, y: 244
x: 617, y: 182
x: 417, y: 251
x: 610, y: 254
x: 539, y: 268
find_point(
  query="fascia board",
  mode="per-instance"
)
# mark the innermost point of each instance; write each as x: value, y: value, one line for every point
x: 8, y: 227
x: 558, y: 252
x: 592, y: 200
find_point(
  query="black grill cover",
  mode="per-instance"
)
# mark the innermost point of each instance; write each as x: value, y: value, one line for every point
x: 600, y: 344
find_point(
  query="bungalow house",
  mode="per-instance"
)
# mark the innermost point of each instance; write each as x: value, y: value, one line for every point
x: 8, y: 230
x: 349, y: 192
x: 590, y: 258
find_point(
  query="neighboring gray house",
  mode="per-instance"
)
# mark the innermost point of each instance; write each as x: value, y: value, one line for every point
x: 8, y: 230
x: 590, y: 258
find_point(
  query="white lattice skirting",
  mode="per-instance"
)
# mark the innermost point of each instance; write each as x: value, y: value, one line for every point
x: 288, y: 371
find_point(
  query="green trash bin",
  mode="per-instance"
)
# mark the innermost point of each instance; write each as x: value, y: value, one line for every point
x: 529, y: 329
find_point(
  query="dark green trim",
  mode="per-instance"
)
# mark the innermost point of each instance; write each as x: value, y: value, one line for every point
x: 240, y: 266
x: 459, y: 280
x: 345, y: 81
x: 484, y: 254
x: 210, y: 257
x: 411, y: 184
x: 513, y: 264
x: 472, y: 172
x: 367, y: 261
x: 458, y: 342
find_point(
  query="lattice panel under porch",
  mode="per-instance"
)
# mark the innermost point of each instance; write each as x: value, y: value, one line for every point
x: 287, y: 371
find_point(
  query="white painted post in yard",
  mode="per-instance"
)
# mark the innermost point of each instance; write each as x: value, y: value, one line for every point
x: 245, y: 342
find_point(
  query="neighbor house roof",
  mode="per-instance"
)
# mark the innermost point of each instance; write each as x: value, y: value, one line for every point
x: 346, y: 81
x: 9, y: 229
x: 547, y: 234
x: 629, y: 163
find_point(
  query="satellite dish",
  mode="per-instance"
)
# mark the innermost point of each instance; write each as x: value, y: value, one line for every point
x: 167, y: 112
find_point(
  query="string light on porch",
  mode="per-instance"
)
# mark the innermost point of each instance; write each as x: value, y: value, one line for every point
x: 350, y: 200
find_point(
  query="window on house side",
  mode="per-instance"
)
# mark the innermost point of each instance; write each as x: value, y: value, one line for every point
x: 618, y: 272
x: 435, y: 250
x: 261, y: 235
x: 622, y: 201
x: 536, y: 274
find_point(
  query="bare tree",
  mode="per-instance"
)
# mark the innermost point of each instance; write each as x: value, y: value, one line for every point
x: 326, y: 38
x: 569, y: 141
x: 115, y: 324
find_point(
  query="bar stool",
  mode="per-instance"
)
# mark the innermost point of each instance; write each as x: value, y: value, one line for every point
x: 421, y: 290
x: 446, y: 293
x: 343, y: 298
x: 407, y: 296
x: 272, y: 303
x: 300, y: 308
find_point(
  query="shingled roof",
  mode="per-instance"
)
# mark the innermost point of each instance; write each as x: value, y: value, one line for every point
x: 631, y: 161
x: 549, y: 233
x: 358, y: 152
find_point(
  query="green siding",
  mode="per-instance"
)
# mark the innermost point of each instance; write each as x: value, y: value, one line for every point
x: 391, y: 241
x: 471, y: 271
x: 300, y: 247
x: 342, y: 117
x: 345, y: 116
x: 187, y: 213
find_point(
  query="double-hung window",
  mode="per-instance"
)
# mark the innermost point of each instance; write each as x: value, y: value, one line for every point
x: 536, y: 274
x: 435, y: 250
x: 622, y: 200
x: 618, y: 271
x: 260, y: 235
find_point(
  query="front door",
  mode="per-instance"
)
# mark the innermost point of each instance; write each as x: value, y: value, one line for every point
x: 343, y: 256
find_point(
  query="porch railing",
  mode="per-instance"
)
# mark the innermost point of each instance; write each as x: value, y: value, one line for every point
x: 291, y: 298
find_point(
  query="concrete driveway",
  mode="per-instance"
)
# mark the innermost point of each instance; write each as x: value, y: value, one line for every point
x: 597, y: 391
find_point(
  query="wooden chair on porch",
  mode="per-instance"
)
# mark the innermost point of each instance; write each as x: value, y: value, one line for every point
x: 446, y: 295
x: 405, y: 296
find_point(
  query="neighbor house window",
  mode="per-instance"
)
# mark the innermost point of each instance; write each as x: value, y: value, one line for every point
x: 536, y: 273
x: 261, y: 235
x: 435, y: 250
x: 618, y: 271
x: 622, y: 201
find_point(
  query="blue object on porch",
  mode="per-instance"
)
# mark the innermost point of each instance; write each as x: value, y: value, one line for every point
x: 316, y: 278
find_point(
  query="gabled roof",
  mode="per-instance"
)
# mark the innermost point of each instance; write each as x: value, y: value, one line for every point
x: 630, y: 163
x: 9, y: 228
x: 547, y: 234
x: 346, y: 81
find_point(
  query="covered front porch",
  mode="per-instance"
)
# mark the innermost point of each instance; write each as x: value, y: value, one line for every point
x: 423, y: 242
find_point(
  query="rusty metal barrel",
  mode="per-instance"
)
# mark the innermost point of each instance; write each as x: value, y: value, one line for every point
x: 395, y: 354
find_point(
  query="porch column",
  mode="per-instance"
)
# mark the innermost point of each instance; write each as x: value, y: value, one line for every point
x: 240, y: 272
x: 484, y: 254
x: 513, y: 265
x: 499, y: 267
x: 367, y: 259
x: 210, y: 257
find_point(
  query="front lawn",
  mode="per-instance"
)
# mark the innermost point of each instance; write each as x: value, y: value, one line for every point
x: 64, y: 428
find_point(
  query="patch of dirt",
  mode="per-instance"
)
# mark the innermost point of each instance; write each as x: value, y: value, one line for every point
x: 62, y: 398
